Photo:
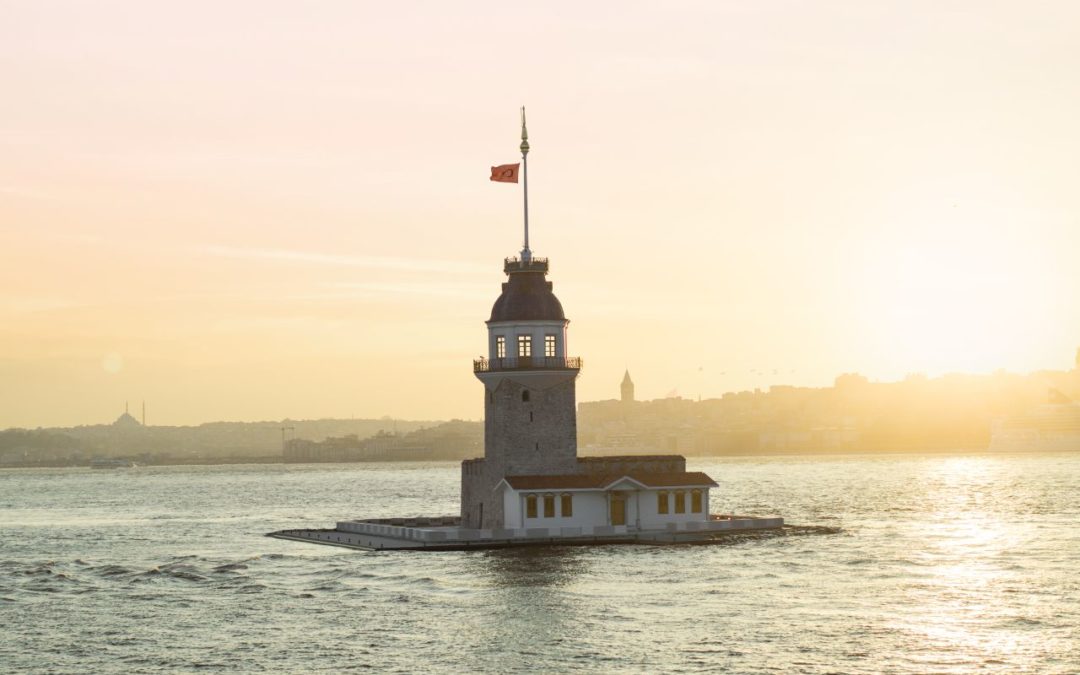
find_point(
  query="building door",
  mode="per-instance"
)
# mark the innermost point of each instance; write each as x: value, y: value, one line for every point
x: 618, y: 510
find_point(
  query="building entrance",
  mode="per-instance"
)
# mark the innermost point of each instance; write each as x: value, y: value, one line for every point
x: 618, y: 510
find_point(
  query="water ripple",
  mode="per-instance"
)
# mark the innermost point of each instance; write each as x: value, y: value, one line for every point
x: 900, y: 565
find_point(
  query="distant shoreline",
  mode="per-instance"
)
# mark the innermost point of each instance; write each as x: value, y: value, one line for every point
x: 691, y: 458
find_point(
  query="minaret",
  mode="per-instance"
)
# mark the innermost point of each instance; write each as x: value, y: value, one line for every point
x: 530, y: 407
x: 627, y: 388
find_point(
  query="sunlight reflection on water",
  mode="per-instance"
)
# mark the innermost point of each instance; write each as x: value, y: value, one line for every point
x: 963, y: 608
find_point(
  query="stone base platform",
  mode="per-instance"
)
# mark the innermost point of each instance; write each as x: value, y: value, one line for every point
x: 445, y: 534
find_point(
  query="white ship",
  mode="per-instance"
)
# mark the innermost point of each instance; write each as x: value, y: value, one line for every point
x: 1051, y: 427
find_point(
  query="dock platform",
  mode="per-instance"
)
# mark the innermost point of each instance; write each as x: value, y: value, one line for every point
x: 445, y: 534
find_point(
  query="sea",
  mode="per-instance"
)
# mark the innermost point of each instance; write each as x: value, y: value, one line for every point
x: 948, y: 563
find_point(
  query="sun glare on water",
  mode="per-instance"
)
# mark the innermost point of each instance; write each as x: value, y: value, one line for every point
x: 957, y: 604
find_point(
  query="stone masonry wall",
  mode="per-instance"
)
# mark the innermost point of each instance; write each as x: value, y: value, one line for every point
x: 537, y: 436
x: 477, y: 487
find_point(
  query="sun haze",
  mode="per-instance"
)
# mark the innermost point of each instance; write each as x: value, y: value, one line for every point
x: 261, y: 210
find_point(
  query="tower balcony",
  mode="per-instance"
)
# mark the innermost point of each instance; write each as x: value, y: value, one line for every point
x: 530, y: 265
x: 483, y: 365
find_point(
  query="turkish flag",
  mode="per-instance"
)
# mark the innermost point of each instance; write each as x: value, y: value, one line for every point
x: 507, y: 173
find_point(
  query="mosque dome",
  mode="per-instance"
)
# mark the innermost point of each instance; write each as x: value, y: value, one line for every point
x: 126, y: 420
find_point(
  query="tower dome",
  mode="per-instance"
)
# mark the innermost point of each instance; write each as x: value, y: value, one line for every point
x: 527, y: 295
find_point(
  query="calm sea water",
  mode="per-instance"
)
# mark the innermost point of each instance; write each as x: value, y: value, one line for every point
x: 941, y: 564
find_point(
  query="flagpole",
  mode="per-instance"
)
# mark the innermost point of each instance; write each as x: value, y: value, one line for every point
x: 526, y: 254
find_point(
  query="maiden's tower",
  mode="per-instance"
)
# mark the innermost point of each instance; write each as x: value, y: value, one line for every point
x: 530, y: 487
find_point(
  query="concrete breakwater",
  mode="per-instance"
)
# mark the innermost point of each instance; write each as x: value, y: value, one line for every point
x: 445, y: 533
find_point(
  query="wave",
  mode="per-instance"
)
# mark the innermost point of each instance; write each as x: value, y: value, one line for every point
x: 171, y: 571
x: 111, y: 570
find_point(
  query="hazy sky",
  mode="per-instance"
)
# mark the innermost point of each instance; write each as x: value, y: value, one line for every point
x: 253, y: 210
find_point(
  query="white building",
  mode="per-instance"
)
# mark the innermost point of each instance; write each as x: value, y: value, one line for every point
x: 641, y: 501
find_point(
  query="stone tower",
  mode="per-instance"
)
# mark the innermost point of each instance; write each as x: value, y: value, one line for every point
x: 627, y: 388
x: 530, y: 410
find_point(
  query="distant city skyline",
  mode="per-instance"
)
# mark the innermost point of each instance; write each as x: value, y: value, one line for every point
x: 621, y: 391
x: 257, y: 211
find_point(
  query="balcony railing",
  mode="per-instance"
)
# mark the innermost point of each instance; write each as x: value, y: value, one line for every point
x: 527, y: 363
x: 530, y: 265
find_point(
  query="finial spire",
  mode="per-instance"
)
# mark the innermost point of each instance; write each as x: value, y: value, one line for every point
x: 526, y: 254
x: 524, y: 134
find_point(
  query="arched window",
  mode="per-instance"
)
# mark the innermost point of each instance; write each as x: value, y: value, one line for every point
x: 567, y: 505
x: 680, y: 501
x: 549, y: 506
x: 525, y: 396
x: 530, y: 506
x: 695, y: 501
x: 661, y: 502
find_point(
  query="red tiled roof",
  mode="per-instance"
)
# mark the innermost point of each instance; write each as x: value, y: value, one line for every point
x: 678, y: 479
x: 568, y: 482
x: 600, y: 481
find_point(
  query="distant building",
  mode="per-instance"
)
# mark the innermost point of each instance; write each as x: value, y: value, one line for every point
x: 126, y: 421
x: 627, y: 388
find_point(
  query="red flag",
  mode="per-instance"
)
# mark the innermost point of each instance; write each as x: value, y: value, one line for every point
x: 507, y: 173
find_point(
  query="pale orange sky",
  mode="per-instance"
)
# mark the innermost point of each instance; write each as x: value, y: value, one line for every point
x: 257, y: 210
